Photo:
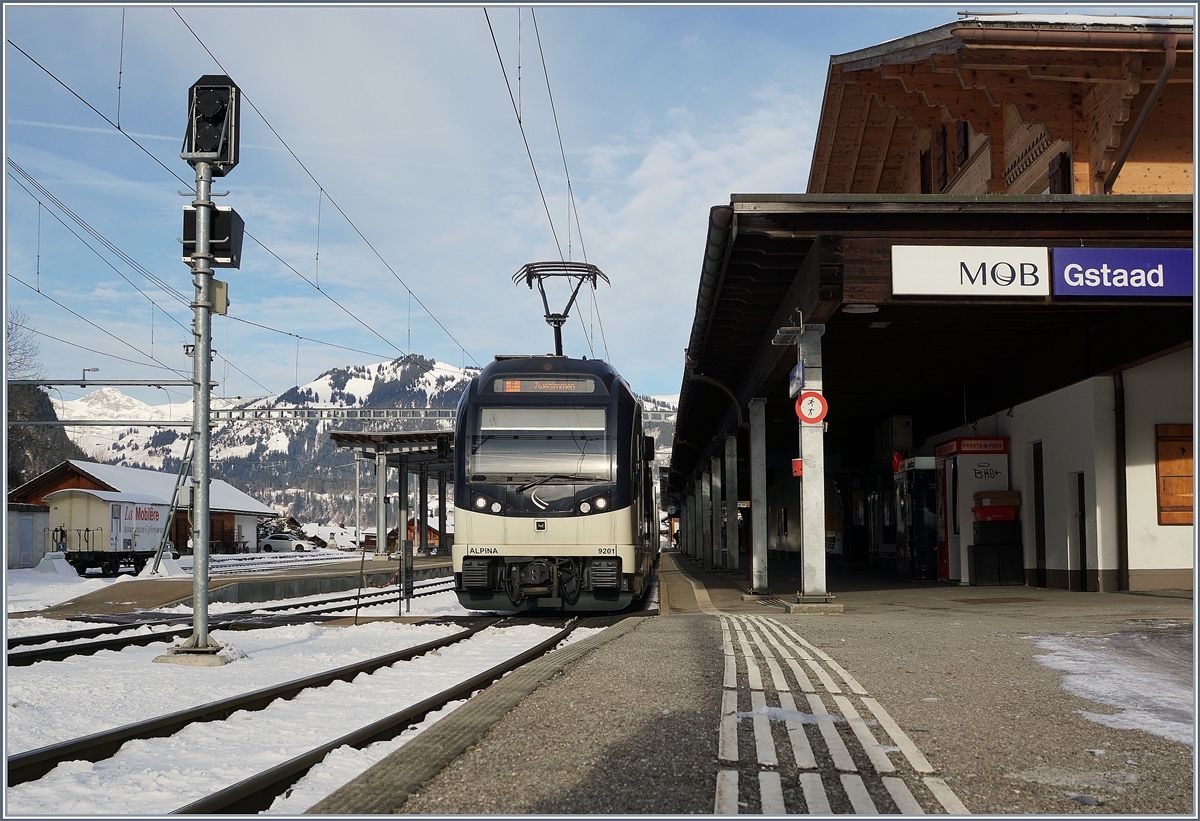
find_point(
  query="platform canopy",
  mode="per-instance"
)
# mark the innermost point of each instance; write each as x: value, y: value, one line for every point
x: 939, y: 359
x: 417, y: 447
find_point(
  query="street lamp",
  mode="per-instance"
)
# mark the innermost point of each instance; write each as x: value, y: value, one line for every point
x: 83, y: 376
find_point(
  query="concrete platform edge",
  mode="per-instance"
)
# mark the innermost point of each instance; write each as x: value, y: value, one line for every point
x: 386, y: 786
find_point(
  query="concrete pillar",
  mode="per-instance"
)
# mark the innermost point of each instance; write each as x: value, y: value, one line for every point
x: 731, y: 497
x: 812, y: 484
x: 695, y: 523
x: 758, y: 495
x: 685, y: 524
x: 706, y: 517
x: 718, y: 514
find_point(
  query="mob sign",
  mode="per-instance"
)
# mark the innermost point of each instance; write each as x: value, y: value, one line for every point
x: 1123, y: 272
x: 970, y: 270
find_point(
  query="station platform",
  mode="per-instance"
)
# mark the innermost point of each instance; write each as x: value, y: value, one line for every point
x: 916, y: 698
x: 138, y: 594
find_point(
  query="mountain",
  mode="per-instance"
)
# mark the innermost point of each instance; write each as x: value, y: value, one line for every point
x: 291, y: 465
x: 32, y: 451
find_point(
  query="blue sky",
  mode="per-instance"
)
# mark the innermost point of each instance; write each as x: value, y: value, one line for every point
x: 402, y: 115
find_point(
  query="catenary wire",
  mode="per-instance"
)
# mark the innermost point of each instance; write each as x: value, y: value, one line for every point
x: 248, y: 234
x: 154, y: 279
x: 118, y: 272
x: 524, y: 138
x: 329, y: 197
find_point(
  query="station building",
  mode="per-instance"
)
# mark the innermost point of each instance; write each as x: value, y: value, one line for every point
x: 982, y: 311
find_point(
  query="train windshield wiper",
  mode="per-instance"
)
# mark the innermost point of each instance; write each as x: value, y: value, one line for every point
x: 544, y: 479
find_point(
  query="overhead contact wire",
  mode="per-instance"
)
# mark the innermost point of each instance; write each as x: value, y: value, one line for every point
x: 259, y: 242
x: 332, y: 201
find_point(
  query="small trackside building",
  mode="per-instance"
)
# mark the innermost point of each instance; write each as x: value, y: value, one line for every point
x: 94, y: 508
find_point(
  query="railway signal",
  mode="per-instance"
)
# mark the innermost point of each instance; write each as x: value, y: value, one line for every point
x: 214, y: 103
x: 210, y: 146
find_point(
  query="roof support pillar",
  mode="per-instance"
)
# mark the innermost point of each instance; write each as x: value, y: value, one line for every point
x: 424, y: 507
x: 732, y: 546
x: 380, y: 502
x: 812, y: 482
x: 758, y: 495
x: 704, y: 510
x: 720, y: 549
x: 404, y: 545
x: 441, y: 479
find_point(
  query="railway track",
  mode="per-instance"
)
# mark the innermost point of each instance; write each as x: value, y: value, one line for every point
x: 256, y: 792
x: 249, y: 619
x: 33, y: 764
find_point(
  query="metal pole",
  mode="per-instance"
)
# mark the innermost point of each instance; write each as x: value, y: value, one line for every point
x: 380, y: 503
x: 405, y: 545
x: 357, y: 505
x: 442, y: 512
x: 201, y: 370
x: 423, y: 496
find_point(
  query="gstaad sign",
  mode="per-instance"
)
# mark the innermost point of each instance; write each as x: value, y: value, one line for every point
x: 970, y: 270
x: 1123, y: 272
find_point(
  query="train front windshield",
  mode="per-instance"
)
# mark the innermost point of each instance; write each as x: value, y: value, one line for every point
x: 519, y: 444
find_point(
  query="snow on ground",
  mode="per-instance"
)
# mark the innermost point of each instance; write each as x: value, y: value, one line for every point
x: 52, y: 702
x: 35, y: 590
x: 135, y: 689
x: 347, y: 763
x: 38, y: 625
x: 155, y: 776
x: 1147, y: 677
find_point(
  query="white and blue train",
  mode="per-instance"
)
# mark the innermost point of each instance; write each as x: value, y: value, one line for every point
x: 554, y: 504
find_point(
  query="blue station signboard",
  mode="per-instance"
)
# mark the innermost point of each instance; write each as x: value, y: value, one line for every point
x: 1123, y: 272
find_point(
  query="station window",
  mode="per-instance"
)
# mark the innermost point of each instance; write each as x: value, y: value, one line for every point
x: 1174, y: 470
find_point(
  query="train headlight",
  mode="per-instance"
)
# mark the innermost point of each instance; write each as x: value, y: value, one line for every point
x: 585, y: 507
x: 496, y: 507
x: 480, y: 503
x: 601, y: 503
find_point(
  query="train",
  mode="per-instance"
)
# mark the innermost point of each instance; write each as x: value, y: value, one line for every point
x: 554, y: 503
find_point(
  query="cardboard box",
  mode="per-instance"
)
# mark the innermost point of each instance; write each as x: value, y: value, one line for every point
x: 1004, y: 498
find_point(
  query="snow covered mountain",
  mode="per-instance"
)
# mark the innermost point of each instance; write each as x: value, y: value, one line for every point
x: 291, y: 465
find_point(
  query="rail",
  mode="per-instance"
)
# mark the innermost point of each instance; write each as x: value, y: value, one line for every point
x: 31, y: 765
x: 256, y: 793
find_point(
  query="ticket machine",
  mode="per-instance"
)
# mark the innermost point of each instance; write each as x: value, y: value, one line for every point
x: 963, y: 466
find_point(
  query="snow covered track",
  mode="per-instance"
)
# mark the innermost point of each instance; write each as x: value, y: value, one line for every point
x: 246, y: 620
x: 33, y: 764
x: 256, y: 793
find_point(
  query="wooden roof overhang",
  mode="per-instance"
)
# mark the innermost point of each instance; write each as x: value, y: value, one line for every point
x: 938, y: 359
x: 1053, y: 71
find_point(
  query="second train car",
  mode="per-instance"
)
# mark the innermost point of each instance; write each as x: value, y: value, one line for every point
x: 553, y: 491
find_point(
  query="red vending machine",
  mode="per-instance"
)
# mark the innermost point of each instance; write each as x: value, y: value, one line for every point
x: 964, y: 466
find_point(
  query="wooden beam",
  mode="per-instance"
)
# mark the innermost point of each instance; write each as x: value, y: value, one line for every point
x: 884, y: 149
x: 1106, y: 109
x: 856, y: 150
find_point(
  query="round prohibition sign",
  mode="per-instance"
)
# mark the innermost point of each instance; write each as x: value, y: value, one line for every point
x: 811, y: 407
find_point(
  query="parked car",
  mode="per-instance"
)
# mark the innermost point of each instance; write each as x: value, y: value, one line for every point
x: 284, y: 543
